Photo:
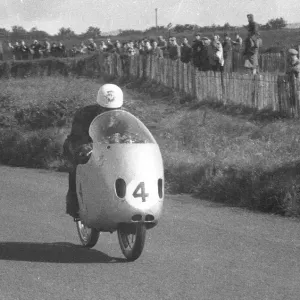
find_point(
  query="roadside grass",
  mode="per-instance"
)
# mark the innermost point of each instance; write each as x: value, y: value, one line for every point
x: 227, y: 154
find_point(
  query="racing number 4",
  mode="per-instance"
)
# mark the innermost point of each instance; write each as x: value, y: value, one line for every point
x: 142, y: 194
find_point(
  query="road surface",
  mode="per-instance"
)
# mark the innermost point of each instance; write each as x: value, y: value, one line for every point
x: 199, y: 250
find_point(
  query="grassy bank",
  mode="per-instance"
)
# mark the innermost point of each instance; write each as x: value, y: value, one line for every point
x: 241, y: 158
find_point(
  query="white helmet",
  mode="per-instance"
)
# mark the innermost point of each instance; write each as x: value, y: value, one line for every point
x: 110, y: 96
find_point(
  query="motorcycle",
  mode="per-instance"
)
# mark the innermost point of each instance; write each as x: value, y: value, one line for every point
x: 121, y: 186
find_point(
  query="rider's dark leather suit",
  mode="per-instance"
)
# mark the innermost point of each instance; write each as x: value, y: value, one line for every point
x: 79, y: 141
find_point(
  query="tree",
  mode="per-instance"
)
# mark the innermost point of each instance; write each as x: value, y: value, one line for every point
x: 18, y: 29
x: 277, y: 23
x: 18, y: 32
x: 33, y: 29
x: 66, y: 32
x: 4, y: 32
x: 93, y: 32
x: 226, y: 26
x: 178, y: 28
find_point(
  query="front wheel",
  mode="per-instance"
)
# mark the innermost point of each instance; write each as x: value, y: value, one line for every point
x: 132, y: 239
x: 88, y: 236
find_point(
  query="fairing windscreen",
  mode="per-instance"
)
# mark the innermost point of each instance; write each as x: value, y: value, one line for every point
x: 119, y: 127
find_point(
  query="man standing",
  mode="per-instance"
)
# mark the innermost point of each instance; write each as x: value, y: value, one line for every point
x: 61, y: 50
x: 15, y: 51
x: 215, y: 53
x: 92, y: 46
x: 227, y: 53
x: 109, y: 45
x: 156, y: 51
x: 36, y: 47
x: 252, y: 44
x: 293, y: 63
x: 186, y: 51
x: 237, y: 43
x: 174, y: 49
x: 252, y: 26
x: 24, y: 51
x: 162, y: 43
x: 46, y: 48
x: 196, y: 50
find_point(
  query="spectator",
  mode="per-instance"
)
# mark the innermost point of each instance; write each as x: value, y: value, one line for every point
x: 92, y: 46
x: 83, y: 48
x: 251, y: 53
x: 61, y: 50
x: 227, y: 53
x: 174, y: 49
x: 36, y: 47
x: 24, y: 51
x: 237, y: 43
x: 15, y: 50
x: 252, y: 43
x: 293, y: 63
x: 141, y: 48
x: 186, y: 51
x: 53, y: 49
x: 252, y: 26
x: 118, y: 48
x: 147, y: 48
x: 196, y: 50
x: 204, y: 57
x: 74, y: 51
x: 130, y: 48
x: 216, y: 58
x: 109, y: 45
x: 102, y: 46
x: 46, y: 48
x: 156, y: 51
x: 162, y: 43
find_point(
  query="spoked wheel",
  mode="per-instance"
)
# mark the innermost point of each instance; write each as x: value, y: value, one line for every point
x: 132, y: 239
x: 88, y: 236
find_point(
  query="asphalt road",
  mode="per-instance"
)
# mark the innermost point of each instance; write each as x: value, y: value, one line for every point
x: 199, y: 250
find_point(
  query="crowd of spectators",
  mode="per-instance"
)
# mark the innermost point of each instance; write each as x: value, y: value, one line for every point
x: 206, y: 53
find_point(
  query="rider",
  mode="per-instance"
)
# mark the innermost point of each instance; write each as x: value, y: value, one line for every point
x: 78, y: 143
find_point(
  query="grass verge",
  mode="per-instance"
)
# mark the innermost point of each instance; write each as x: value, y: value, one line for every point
x: 227, y: 154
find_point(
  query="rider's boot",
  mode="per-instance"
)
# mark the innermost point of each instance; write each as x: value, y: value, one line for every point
x: 72, y: 206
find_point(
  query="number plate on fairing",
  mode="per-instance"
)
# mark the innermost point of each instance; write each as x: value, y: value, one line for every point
x: 142, y: 193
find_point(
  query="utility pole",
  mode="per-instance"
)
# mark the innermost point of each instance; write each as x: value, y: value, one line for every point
x: 156, y: 19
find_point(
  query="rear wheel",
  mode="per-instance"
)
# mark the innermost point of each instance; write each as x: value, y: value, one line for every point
x: 132, y: 239
x: 88, y: 236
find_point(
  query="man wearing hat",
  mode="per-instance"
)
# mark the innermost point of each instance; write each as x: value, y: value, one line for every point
x: 294, y: 63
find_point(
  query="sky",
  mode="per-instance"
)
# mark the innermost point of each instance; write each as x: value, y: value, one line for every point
x: 110, y: 15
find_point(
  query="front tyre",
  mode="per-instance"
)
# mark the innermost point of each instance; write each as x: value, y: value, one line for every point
x: 88, y: 236
x: 132, y: 239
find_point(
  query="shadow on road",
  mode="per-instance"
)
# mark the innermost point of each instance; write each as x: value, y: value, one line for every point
x: 53, y: 253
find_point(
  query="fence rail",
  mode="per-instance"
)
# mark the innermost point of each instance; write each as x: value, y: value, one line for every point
x: 264, y: 91
x: 268, y: 62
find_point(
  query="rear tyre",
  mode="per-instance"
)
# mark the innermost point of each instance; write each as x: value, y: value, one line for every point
x: 132, y: 239
x: 88, y: 236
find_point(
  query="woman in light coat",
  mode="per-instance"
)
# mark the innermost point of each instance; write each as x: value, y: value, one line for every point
x: 215, y: 54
